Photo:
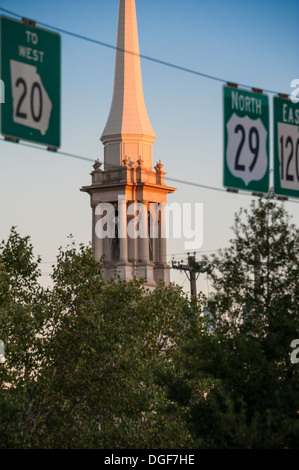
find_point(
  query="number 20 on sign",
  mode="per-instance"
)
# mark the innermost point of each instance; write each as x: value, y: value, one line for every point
x: 30, y: 70
x: 246, y: 140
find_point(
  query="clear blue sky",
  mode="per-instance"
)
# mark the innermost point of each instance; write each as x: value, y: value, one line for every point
x: 249, y: 42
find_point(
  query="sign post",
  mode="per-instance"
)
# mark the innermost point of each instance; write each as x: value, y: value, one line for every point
x: 246, y: 140
x: 286, y: 147
x: 30, y: 71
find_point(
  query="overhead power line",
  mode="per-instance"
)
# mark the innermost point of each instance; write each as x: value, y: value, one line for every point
x: 192, y: 270
x: 142, y: 56
x: 65, y: 154
x: 161, y: 62
x: 175, y: 180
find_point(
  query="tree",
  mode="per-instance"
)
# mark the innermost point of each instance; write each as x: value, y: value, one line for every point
x: 21, y: 319
x: 97, y: 365
x: 251, y: 393
x: 81, y: 358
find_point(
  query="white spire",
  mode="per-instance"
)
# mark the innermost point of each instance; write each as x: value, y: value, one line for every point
x: 128, y: 116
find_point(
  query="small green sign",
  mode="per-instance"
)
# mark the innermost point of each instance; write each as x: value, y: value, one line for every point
x: 286, y: 147
x: 246, y: 140
x: 30, y: 71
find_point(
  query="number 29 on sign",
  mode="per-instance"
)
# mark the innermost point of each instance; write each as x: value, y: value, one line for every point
x: 246, y: 140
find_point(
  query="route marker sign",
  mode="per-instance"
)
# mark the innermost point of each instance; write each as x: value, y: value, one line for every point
x: 286, y: 147
x: 30, y: 70
x: 246, y: 140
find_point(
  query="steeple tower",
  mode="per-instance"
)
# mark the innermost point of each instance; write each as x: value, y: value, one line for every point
x: 128, y: 129
x: 128, y: 198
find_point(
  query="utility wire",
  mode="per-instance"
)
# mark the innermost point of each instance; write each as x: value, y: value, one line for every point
x: 59, y: 152
x: 142, y: 56
x: 197, y: 252
x: 184, y: 69
x: 175, y: 180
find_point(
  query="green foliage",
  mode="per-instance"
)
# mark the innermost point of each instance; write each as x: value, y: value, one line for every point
x: 97, y: 365
x: 81, y: 357
x: 252, y: 394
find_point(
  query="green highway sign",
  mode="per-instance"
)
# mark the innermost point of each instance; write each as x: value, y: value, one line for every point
x: 286, y: 147
x: 30, y: 71
x: 246, y: 140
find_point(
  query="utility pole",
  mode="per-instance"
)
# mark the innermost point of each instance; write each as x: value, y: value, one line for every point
x: 192, y: 270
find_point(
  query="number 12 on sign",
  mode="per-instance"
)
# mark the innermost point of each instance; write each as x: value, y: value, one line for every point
x: 286, y: 147
x: 289, y: 165
x: 246, y: 140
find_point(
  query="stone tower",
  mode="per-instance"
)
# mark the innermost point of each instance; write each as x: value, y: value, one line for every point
x: 128, y: 197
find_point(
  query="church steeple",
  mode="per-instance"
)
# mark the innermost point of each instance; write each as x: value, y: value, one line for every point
x: 128, y: 197
x: 128, y: 132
